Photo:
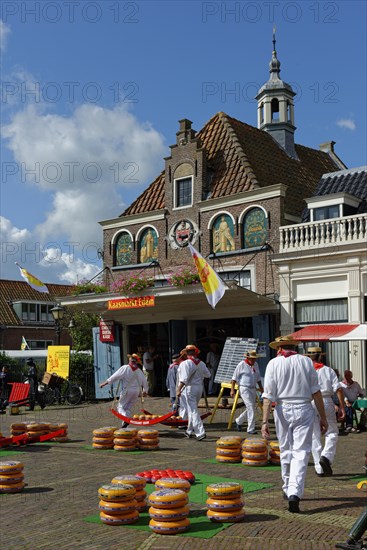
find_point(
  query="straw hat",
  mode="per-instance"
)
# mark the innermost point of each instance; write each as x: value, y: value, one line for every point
x: 251, y: 354
x: 316, y: 350
x: 135, y: 356
x: 283, y: 341
x: 191, y: 347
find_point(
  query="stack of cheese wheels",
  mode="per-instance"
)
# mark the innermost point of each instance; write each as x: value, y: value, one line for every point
x: 36, y: 429
x: 60, y: 426
x: 228, y: 449
x: 11, y: 477
x: 118, y: 504
x: 148, y: 440
x: 124, y: 440
x: 274, y: 453
x: 139, y: 484
x: 225, y: 502
x: 18, y: 428
x: 103, y: 438
x: 169, y: 511
x: 255, y: 452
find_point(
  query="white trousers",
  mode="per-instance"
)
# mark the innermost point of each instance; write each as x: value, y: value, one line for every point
x: 127, y: 400
x: 294, y: 428
x: 248, y: 396
x: 331, y: 436
x: 183, y: 406
x: 194, y: 424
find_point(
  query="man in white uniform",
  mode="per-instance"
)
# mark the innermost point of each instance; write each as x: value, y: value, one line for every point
x: 291, y: 382
x: 329, y: 384
x: 191, y: 374
x: 133, y: 384
x: 246, y: 375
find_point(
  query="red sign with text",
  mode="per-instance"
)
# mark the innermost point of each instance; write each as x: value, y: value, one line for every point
x: 129, y: 303
x: 106, y: 331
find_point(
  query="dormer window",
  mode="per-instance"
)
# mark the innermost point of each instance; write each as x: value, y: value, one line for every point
x: 183, y: 192
x: 333, y: 205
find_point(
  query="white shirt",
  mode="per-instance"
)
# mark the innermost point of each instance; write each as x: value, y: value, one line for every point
x: 190, y: 374
x: 130, y: 378
x: 292, y: 379
x: 246, y: 375
x: 328, y: 381
x: 148, y: 363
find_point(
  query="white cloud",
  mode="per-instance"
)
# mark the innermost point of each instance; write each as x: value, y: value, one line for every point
x: 4, y: 33
x: 71, y: 269
x: 86, y: 159
x: 347, y: 123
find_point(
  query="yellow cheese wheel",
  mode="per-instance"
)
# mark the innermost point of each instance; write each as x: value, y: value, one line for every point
x: 225, y: 490
x: 274, y: 445
x: 102, y: 447
x: 228, y: 442
x: 255, y: 456
x: 35, y: 427
x: 60, y: 426
x: 124, y: 434
x: 114, y: 508
x: 148, y: 433
x: 18, y: 432
x: 169, y: 527
x: 37, y: 433
x: 103, y: 440
x: 231, y: 451
x: 173, y: 483
x: 124, y: 448
x: 10, y: 466
x: 9, y: 479
x: 142, y: 505
x: 103, y: 432
x: 226, y: 517
x: 255, y: 447
x: 225, y: 505
x: 228, y: 459
x: 274, y: 454
x: 121, y: 519
x: 173, y: 514
x: 148, y: 440
x: 257, y: 440
x: 124, y: 441
x: 140, y: 495
x: 252, y: 462
x: 138, y: 482
x: 168, y: 498
x: 12, y: 487
x: 61, y: 439
x: 116, y: 492
x: 19, y: 426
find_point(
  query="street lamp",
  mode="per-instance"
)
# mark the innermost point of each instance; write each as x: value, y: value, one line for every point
x: 58, y: 315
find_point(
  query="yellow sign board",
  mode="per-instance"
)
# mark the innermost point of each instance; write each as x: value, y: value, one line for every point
x: 129, y: 303
x: 58, y: 360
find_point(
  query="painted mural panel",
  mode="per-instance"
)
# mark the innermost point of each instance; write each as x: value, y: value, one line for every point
x: 148, y: 246
x: 124, y: 249
x: 223, y: 234
x: 255, y: 228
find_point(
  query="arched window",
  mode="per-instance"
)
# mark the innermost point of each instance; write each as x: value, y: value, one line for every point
x: 255, y: 228
x: 148, y: 246
x: 123, y: 249
x: 274, y: 109
x: 262, y: 113
x: 223, y: 234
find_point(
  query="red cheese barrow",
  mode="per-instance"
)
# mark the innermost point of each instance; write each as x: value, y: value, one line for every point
x: 23, y: 439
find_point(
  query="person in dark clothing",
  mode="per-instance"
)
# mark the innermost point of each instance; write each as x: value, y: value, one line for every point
x: 3, y: 389
x: 34, y: 394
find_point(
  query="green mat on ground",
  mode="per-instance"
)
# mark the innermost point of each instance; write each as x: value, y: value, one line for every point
x: 357, y: 478
x: 9, y: 452
x: 267, y: 467
x: 90, y: 448
x: 200, y: 525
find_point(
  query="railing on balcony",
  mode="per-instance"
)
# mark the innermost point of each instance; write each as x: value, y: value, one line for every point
x: 321, y: 234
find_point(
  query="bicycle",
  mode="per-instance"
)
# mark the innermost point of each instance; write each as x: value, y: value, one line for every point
x: 63, y: 391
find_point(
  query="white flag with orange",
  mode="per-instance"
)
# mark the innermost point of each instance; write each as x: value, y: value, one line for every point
x: 213, y: 285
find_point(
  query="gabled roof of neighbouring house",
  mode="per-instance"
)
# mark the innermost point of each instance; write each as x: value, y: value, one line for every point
x: 20, y: 291
x: 241, y: 158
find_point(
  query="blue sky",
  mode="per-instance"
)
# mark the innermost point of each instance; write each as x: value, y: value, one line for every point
x: 92, y: 93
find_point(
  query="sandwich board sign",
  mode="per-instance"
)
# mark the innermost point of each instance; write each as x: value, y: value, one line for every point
x: 232, y: 354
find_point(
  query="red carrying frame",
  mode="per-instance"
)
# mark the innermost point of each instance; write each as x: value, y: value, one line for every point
x: 19, y: 394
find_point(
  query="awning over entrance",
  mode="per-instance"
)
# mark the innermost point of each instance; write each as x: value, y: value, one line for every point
x: 357, y: 333
x: 187, y: 303
x: 319, y: 333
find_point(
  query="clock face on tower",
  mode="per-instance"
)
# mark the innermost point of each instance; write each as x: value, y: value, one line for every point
x: 181, y: 233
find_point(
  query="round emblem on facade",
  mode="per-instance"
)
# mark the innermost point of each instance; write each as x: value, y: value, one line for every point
x: 181, y: 233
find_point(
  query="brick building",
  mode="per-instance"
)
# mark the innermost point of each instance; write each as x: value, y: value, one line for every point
x: 227, y: 189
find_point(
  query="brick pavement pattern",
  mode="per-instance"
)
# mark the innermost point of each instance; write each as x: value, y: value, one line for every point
x: 63, y: 480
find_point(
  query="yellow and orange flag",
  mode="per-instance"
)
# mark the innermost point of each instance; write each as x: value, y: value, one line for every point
x: 213, y: 285
x: 32, y: 280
